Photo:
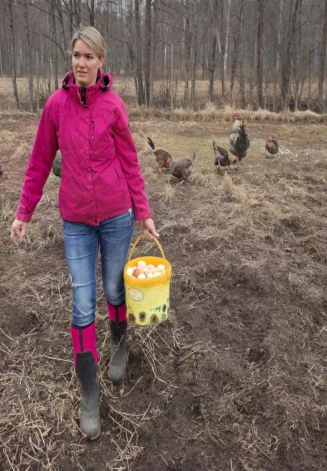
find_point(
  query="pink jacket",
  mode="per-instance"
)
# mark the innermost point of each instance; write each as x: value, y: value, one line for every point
x: 100, y: 173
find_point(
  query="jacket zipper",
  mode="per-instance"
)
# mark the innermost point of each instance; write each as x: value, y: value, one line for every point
x: 93, y: 128
x: 83, y: 96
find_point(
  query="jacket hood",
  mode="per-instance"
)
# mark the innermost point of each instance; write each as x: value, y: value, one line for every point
x: 85, y: 95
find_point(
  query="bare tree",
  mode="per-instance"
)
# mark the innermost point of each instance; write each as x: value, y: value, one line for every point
x: 147, y: 53
x: 53, y: 38
x: 286, y: 57
x: 258, y: 45
x: 323, y: 60
x: 237, y: 40
x: 225, y: 58
x: 194, y: 30
x: 139, y: 75
x: 212, y: 60
x: 10, y: 4
x: 187, y: 47
x: 90, y: 6
x: 259, y: 52
x: 29, y: 55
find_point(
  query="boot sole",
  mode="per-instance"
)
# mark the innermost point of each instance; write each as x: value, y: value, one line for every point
x: 90, y: 439
x: 116, y: 383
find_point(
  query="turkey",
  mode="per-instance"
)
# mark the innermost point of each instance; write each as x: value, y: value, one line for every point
x: 163, y: 158
x: 271, y: 146
x: 56, y: 167
x: 182, y: 169
x: 239, y: 139
x: 221, y: 157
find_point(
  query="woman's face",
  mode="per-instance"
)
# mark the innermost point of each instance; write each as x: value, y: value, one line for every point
x: 85, y: 64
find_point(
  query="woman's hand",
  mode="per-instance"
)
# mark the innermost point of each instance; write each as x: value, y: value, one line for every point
x: 148, y: 228
x: 18, y: 231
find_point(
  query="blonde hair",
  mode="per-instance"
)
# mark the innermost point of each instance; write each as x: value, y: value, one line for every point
x: 92, y: 38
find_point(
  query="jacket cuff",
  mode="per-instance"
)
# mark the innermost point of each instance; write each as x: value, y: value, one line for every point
x: 23, y: 217
x: 141, y: 215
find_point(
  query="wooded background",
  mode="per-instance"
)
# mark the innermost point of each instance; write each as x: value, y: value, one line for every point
x: 268, y: 54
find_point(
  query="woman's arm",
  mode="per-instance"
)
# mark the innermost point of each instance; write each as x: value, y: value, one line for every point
x: 39, y: 164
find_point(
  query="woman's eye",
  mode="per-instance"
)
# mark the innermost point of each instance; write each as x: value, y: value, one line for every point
x: 89, y: 57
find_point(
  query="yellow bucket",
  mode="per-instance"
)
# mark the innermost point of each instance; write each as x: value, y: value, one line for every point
x: 147, y: 299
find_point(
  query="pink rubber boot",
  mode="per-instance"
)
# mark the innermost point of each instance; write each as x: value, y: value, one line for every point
x: 118, y: 330
x: 85, y: 361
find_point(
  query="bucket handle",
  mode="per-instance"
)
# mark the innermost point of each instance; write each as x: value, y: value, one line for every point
x: 138, y: 240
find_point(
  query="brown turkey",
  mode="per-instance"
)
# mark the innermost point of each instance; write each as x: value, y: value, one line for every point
x: 163, y: 158
x: 182, y: 169
x: 271, y: 146
x: 221, y: 157
x: 239, y: 139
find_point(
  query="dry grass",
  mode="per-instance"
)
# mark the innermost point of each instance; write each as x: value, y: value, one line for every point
x: 124, y: 86
x: 212, y: 113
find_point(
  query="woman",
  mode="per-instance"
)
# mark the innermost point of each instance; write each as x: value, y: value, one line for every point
x: 101, y: 192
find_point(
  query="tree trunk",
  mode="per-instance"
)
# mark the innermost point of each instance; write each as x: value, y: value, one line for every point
x: 212, y: 62
x: 323, y: 60
x: 58, y: 5
x: 242, y: 88
x: 147, y: 53
x: 54, y: 48
x: 259, y: 52
x: 171, y: 77
x: 78, y: 13
x: 92, y: 13
x: 37, y: 80
x: 187, y: 43
x: 221, y: 44
x: 280, y: 33
x: 287, y: 55
x: 237, y: 41
x: 194, y: 30
x: 71, y: 20
x: 29, y: 57
x: 14, y: 52
x: 139, y: 76
x: 154, y: 46
x: 298, y: 66
x: 227, y: 37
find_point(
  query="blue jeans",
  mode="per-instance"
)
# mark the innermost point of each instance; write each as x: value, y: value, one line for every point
x: 82, y: 242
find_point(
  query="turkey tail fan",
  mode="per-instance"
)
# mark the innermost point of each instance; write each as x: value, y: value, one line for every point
x: 151, y: 143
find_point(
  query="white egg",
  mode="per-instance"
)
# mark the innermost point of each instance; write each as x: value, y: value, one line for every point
x: 141, y: 275
x: 150, y: 275
x: 129, y: 271
x: 161, y: 267
x: 141, y: 264
x: 146, y: 272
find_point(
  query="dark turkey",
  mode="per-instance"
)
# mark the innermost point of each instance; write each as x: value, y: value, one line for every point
x: 239, y: 139
x: 221, y: 157
x: 163, y: 158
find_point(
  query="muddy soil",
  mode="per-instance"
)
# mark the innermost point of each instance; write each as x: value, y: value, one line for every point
x: 235, y: 380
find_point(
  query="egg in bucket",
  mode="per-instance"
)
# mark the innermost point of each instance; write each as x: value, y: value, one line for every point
x: 148, y: 299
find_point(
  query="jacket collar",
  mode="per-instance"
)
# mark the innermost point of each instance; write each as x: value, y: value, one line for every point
x: 87, y: 95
